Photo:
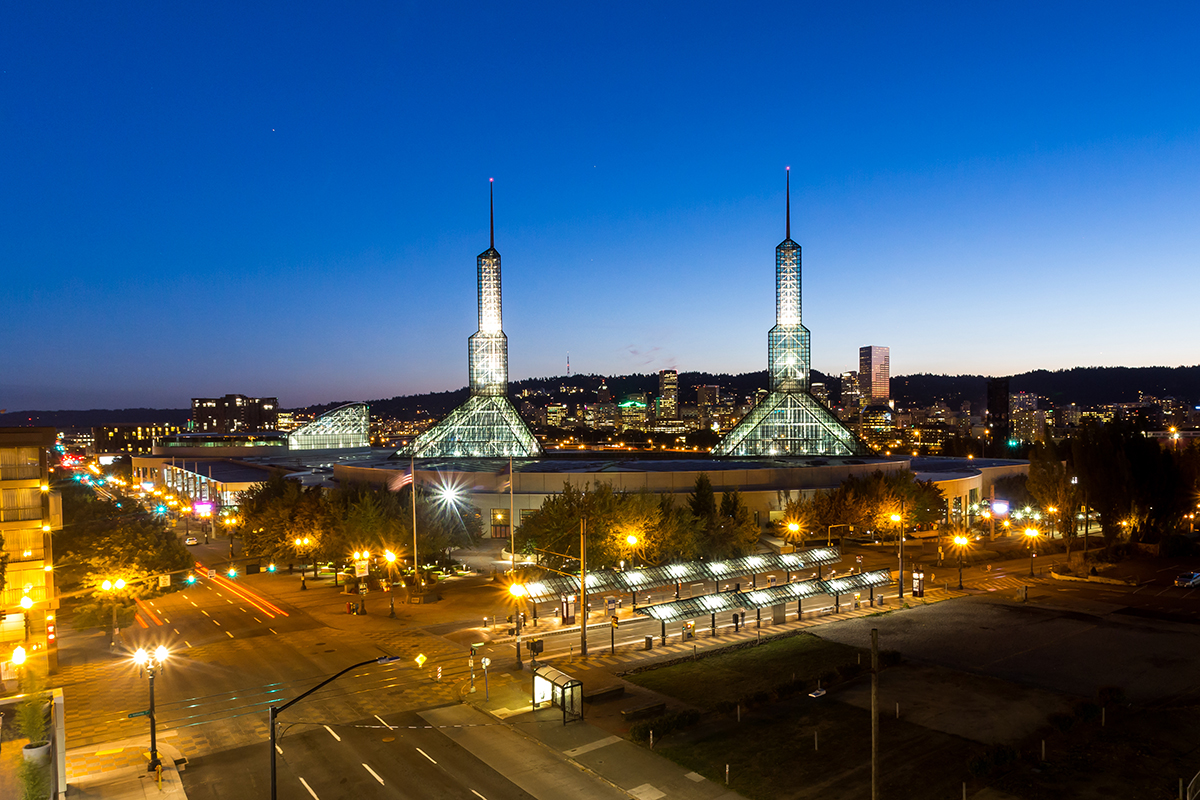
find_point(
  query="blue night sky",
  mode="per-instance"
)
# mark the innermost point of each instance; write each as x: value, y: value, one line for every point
x: 289, y: 201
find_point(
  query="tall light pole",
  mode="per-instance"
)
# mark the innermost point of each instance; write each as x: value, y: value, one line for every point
x: 1031, y: 535
x: 109, y: 586
x: 390, y: 558
x: 517, y: 590
x: 900, y: 552
x: 961, y: 543
x: 26, y: 604
x: 303, y: 544
x: 151, y: 662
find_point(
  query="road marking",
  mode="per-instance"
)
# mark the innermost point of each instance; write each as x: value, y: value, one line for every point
x: 230, y: 635
x: 229, y: 601
x: 176, y: 630
x: 185, y: 597
x: 166, y: 620
x: 220, y: 595
x: 205, y: 613
x: 279, y: 749
x: 109, y: 752
x: 272, y: 630
x: 331, y: 733
x: 422, y: 752
x: 185, y: 641
x: 194, y: 603
x: 596, y: 745
x: 244, y: 611
x: 374, y: 774
x: 477, y: 794
x: 310, y: 791
x: 215, y: 622
x: 1164, y: 590
x: 256, y: 619
x: 389, y: 727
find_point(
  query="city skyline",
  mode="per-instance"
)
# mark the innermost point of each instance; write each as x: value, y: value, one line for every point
x: 980, y: 212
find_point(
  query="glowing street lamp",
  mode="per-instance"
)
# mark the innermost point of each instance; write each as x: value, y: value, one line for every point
x: 900, y: 555
x: 961, y: 542
x: 518, y: 592
x: 1031, y: 535
x: 390, y: 558
x: 303, y: 543
x: 110, y: 586
x: 18, y: 656
x: 151, y: 662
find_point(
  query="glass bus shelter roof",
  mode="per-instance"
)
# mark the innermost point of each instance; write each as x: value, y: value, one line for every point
x: 767, y: 597
x: 606, y: 581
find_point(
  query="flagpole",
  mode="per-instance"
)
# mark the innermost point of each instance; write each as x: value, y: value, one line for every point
x: 412, y: 470
x: 512, y: 521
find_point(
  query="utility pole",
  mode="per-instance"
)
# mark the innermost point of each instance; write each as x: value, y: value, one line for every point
x: 412, y: 470
x: 583, y: 609
x: 874, y: 714
x: 512, y: 522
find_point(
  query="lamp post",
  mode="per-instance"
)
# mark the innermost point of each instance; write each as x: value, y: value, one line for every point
x: 961, y: 543
x: 900, y: 552
x: 110, y: 586
x: 26, y: 604
x: 151, y: 662
x: 302, y: 543
x: 1031, y: 535
x: 517, y: 590
x: 390, y: 558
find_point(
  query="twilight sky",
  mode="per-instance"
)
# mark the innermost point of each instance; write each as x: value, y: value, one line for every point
x: 219, y: 198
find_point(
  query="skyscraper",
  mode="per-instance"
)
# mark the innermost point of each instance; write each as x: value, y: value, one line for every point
x: 789, y: 421
x: 668, y: 391
x: 874, y: 374
x: 486, y: 425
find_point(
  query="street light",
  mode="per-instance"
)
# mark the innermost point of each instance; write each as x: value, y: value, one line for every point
x: 302, y: 543
x: 1031, y: 535
x: 390, y: 558
x: 900, y: 555
x: 151, y: 662
x: 961, y: 543
x: 518, y: 591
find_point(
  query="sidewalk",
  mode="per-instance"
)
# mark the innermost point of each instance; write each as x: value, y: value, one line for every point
x: 598, y: 763
x: 118, y: 772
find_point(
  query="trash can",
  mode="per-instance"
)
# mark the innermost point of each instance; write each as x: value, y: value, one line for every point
x: 649, y: 642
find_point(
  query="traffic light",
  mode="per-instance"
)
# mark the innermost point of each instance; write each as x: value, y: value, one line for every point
x: 270, y: 567
x: 616, y: 623
x: 191, y: 579
x: 51, y: 629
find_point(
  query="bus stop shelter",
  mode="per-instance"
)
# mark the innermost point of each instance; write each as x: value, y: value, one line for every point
x: 558, y: 689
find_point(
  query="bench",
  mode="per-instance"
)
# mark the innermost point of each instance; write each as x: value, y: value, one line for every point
x: 649, y: 710
x: 604, y: 693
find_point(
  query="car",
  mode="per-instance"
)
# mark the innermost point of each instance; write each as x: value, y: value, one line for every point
x: 191, y: 540
x: 1188, y: 579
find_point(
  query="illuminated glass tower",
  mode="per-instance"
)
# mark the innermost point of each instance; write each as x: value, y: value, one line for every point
x: 790, y: 421
x: 486, y: 425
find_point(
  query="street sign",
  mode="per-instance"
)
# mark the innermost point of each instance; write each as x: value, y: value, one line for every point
x: 145, y: 713
x: 421, y: 659
x: 610, y: 605
x: 362, y: 588
x: 361, y: 568
x: 164, y: 580
x: 212, y: 573
x: 485, y: 661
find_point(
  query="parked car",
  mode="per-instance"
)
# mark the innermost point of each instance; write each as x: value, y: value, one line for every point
x: 1188, y: 579
x: 191, y: 540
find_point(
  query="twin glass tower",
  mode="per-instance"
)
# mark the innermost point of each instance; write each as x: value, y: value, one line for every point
x: 789, y: 421
x: 487, y: 425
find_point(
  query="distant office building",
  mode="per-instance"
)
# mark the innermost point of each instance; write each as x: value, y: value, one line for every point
x: 234, y: 413
x: 1022, y: 401
x: 288, y: 421
x: 707, y: 396
x: 874, y: 374
x: 132, y: 439
x: 820, y: 392
x: 603, y: 394
x: 633, y: 412
x: 1029, y: 424
x: 556, y: 416
x: 997, y: 410
x: 851, y: 394
x: 668, y: 394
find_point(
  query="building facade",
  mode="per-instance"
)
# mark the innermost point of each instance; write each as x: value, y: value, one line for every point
x: 874, y: 374
x: 234, y: 413
x: 668, y: 393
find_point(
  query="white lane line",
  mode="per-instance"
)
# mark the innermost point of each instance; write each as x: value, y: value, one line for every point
x: 389, y: 727
x: 374, y: 774
x: 205, y: 613
x: 256, y: 619
x: 230, y: 635
x: 477, y: 794
x: 194, y: 603
x: 244, y: 611
x: 272, y: 630
x: 215, y: 622
x: 422, y: 752
x: 310, y: 791
x: 176, y: 630
x: 331, y: 733
x: 185, y: 597
x: 229, y: 601
x: 185, y: 641
x: 279, y: 749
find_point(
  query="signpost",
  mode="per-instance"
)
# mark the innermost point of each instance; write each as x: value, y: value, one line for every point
x: 164, y: 581
x: 145, y: 713
x: 361, y: 568
x: 212, y: 573
x: 484, y: 662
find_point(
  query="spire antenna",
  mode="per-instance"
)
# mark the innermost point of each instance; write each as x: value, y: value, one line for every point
x: 788, y: 179
x: 492, y: 205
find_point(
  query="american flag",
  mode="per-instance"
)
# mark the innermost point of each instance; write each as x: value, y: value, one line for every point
x: 402, y: 480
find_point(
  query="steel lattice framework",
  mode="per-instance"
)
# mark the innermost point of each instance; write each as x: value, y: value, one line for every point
x: 790, y: 421
x: 487, y: 425
x: 344, y: 427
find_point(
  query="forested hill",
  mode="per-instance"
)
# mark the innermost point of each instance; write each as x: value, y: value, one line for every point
x: 1086, y: 386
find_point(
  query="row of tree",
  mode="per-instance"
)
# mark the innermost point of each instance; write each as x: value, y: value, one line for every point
x: 648, y: 528
x: 349, y: 518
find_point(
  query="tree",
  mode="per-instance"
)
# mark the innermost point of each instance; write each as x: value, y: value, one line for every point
x: 1050, y: 484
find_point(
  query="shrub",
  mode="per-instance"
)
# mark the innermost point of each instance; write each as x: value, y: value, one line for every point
x: 35, y: 780
x: 848, y: 671
x: 1061, y: 721
x: 725, y: 707
x: 664, y: 724
x: 1087, y: 711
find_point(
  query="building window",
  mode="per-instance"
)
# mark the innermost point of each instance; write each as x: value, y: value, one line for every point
x: 20, y: 504
x: 19, y: 463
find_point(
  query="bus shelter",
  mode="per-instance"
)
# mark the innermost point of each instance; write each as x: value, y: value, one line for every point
x: 558, y: 689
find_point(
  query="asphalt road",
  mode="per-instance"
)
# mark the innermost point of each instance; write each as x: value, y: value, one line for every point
x: 347, y: 761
